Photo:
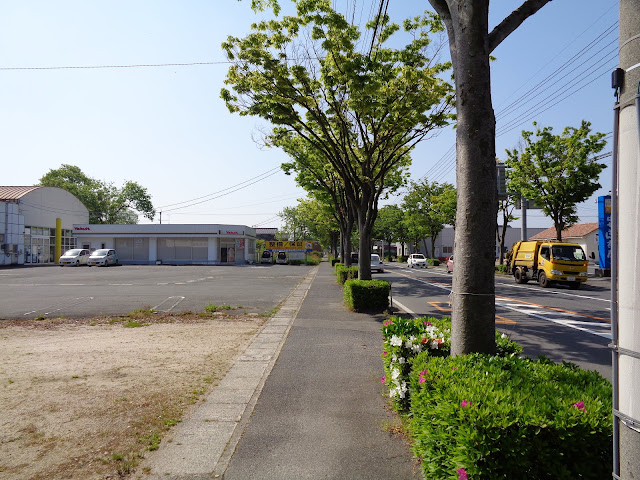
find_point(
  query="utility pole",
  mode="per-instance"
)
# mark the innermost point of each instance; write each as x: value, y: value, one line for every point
x: 625, y: 288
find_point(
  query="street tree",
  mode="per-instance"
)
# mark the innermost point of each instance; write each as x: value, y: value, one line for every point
x: 470, y: 45
x: 388, y: 225
x: 364, y: 111
x: 429, y: 207
x: 106, y: 202
x: 318, y: 177
x: 506, y: 206
x: 557, y: 171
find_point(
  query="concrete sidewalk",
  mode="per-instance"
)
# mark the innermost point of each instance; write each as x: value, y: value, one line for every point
x: 303, y: 402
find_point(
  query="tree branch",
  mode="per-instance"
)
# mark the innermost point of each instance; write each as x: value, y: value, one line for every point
x: 513, y: 21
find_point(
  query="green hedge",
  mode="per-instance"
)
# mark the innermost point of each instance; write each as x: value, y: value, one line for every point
x: 367, y: 295
x: 434, y: 262
x: 402, y: 259
x: 334, y: 261
x: 345, y: 273
x: 500, y: 418
x: 501, y: 268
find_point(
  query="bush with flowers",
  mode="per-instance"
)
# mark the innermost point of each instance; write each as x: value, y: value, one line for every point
x: 480, y: 416
x: 405, y: 338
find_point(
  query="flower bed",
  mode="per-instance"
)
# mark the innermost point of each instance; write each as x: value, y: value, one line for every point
x: 490, y: 417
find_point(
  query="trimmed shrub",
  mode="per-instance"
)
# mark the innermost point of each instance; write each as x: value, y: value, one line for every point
x: 334, y: 261
x: 508, y: 417
x: 501, y: 268
x: 434, y: 262
x: 345, y: 273
x: 367, y: 295
x: 403, y: 259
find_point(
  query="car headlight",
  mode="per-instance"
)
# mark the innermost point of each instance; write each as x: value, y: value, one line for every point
x: 583, y: 274
x: 556, y: 272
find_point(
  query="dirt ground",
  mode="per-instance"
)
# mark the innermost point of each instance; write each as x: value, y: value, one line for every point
x: 85, y: 399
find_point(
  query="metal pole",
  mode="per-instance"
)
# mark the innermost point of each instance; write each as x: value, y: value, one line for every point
x: 614, y: 291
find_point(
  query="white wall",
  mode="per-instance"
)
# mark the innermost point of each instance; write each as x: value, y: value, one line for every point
x: 42, y: 206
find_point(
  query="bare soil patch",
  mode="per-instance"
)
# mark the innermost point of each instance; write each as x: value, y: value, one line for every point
x: 85, y: 399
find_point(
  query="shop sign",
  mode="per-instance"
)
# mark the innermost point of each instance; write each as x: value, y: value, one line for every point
x: 286, y: 245
x: 81, y: 228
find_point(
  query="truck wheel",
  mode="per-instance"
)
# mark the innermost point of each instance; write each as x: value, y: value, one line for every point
x: 574, y: 285
x: 519, y: 276
x: 543, y: 280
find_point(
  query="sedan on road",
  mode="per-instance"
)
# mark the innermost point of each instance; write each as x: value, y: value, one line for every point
x: 104, y: 257
x: 376, y: 263
x: 75, y: 256
x: 416, y: 260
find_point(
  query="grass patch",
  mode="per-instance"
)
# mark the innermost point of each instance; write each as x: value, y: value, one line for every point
x: 141, y: 312
x: 133, y: 324
x: 211, y: 308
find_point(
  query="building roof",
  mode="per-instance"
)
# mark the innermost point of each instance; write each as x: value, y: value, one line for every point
x: 15, y: 193
x: 580, y: 230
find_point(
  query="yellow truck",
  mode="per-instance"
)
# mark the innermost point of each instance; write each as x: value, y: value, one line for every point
x: 548, y: 262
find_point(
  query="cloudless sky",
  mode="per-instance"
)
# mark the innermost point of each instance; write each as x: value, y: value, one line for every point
x: 167, y: 128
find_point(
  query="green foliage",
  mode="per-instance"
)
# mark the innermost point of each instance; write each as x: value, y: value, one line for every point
x: 557, y: 171
x: 211, y: 308
x: 367, y: 295
x: 434, y: 262
x: 345, y: 273
x: 507, y: 417
x: 405, y: 338
x: 106, y: 203
x: 389, y: 226
x: 403, y: 259
x: 501, y: 268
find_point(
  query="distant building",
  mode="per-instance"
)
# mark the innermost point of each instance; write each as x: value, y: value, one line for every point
x: 28, y: 223
x: 267, y: 234
x: 584, y: 234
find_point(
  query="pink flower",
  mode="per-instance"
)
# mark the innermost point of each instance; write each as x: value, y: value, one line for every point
x: 428, y: 324
x: 462, y: 474
x: 422, y: 379
x: 454, y: 368
x: 383, y: 379
x: 464, y: 404
x: 387, y: 323
x: 580, y: 406
x: 384, y: 354
x: 424, y: 372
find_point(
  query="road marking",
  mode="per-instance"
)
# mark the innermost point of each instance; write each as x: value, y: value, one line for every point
x: 402, y: 307
x: 120, y: 284
x: 71, y: 284
x: 522, y: 303
x: 175, y: 299
x: 62, y: 306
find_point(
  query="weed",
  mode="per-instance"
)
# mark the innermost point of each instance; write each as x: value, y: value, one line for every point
x: 124, y: 463
x: 171, y: 422
x: 152, y: 441
x: 269, y: 313
x: 210, y: 308
x: 40, y: 317
x: 142, y: 312
x: 133, y: 324
x: 115, y: 320
x: 11, y: 381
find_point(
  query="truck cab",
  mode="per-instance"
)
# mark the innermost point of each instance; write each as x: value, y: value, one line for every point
x: 548, y: 262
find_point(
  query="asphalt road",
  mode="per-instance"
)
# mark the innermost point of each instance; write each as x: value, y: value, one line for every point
x: 74, y: 292
x: 560, y: 323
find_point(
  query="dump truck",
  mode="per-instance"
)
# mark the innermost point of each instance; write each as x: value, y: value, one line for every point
x: 548, y: 262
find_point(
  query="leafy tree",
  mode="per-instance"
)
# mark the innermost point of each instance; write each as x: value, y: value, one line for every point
x: 470, y: 44
x: 388, y: 224
x: 295, y: 226
x: 429, y: 207
x: 505, y: 207
x: 557, y: 171
x: 106, y: 203
x: 364, y: 112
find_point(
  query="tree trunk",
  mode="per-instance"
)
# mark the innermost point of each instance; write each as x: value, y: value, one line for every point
x: 433, y: 247
x: 426, y: 250
x: 473, y: 292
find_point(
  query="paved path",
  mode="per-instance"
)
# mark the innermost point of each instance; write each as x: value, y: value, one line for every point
x: 310, y: 408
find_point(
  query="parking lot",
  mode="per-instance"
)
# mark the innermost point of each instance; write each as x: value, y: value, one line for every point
x: 77, y: 292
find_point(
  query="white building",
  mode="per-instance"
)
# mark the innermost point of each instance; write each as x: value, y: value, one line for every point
x: 444, y: 241
x: 28, y: 223
x: 172, y: 244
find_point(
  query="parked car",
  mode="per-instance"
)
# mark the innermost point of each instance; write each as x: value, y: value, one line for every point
x: 104, y: 257
x: 75, y: 256
x: 266, y: 257
x: 416, y: 260
x: 354, y: 258
x: 282, y: 258
x: 376, y: 263
x: 450, y: 264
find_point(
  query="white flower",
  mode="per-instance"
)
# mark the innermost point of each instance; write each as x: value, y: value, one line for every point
x: 395, y: 341
x: 393, y: 392
x: 417, y: 348
x: 401, y: 360
x: 434, y: 344
x: 394, y: 358
x: 395, y: 373
x: 504, y: 335
x: 408, y: 344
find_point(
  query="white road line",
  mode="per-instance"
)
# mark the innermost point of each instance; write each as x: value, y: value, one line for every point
x: 176, y: 300
x: 63, y: 306
x: 402, y: 307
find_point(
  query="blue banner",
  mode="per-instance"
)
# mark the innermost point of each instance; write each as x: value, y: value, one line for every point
x: 604, y: 231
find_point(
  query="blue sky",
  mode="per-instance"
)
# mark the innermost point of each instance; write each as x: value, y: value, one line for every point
x: 168, y: 129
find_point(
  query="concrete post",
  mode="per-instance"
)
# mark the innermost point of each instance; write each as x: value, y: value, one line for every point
x: 628, y: 380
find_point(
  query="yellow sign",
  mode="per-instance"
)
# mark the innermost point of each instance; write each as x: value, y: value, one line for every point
x: 288, y: 245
